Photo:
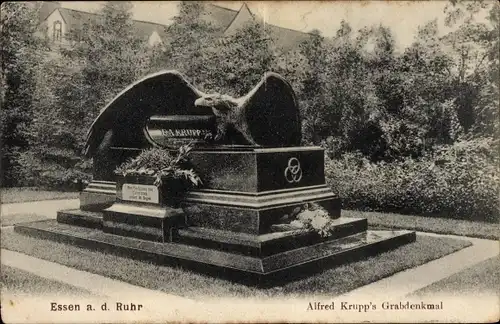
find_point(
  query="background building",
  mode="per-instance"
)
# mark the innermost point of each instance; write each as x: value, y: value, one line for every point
x: 57, y: 22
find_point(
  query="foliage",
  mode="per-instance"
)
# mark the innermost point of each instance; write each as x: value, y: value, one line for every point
x: 459, y: 181
x: 189, y: 35
x: 20, y: 52
x: 242, y: 59
x: 70, y: 87
x: 57, y: 131
x: 475, y: 45
x: 161, y: 164
x: 109, y: 56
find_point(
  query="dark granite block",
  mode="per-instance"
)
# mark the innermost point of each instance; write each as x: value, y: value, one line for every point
x: 95, y: 201
x: 80, y: 218
x: 148, y: 222
x: 223, y: 218
x: 265, y: 244
x: 275, y: 269
x: 98, y: 195
x: 275, y: 168
x: 139, y: 231
x: 239, y: 217
x: 259, y: 169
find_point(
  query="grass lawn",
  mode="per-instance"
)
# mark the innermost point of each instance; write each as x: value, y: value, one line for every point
x: 428, y: 224
x: 16, y: 195
x: 18, y: 282
x: 9, y: 220
x: 482, y: 278
x: 330, y: 282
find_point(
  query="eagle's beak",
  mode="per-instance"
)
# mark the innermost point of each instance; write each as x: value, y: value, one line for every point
x: 201, y: 102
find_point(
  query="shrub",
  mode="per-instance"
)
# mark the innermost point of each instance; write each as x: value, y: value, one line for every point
x: 163, y: 165
x: 38, y: 171
x: 459, y: 181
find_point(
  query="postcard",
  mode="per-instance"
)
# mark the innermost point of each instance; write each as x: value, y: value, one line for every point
x: 244, y: 162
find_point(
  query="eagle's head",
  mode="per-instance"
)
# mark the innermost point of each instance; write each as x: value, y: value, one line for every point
x: 217, y: 101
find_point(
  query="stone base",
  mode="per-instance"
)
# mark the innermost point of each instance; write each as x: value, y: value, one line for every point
x: 80, y: 218
x: 266, y: 244
x: 98, y: 195
x: 278, y: 266
x: 147, y: 222
x: 252, y: 213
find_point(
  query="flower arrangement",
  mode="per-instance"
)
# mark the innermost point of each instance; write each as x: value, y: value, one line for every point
x: 310, y: 216
x: 163, y: 165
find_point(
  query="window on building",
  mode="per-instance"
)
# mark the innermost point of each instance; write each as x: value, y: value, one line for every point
x: 57, y: 31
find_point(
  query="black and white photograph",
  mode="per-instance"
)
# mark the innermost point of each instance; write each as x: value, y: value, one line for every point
x: 250, y: 161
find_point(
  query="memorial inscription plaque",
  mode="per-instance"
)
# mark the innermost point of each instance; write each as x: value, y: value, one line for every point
x: 140, y: 193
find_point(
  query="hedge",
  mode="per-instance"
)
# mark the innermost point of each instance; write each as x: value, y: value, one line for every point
x: 459, y: 181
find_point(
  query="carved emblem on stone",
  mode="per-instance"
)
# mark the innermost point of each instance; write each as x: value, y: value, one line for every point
x: 293, y: 172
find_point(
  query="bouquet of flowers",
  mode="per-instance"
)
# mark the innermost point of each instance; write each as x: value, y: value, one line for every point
x: 311, y: 216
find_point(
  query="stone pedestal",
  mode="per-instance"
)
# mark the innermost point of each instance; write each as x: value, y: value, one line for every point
x: 252, y: 188
x: 98, y: 195
x: 225, y: 227
x: 147, y: 222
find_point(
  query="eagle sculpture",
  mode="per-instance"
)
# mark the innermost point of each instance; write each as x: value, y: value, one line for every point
x: 267, y: 116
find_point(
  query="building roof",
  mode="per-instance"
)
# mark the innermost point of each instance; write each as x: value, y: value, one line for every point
x: 218, y: 16
x: 47, y: 8
x: 76, y: 18
x: 284, y: 38
x: 227, y: 19
x: 240, y: 19
x: 146, y: 28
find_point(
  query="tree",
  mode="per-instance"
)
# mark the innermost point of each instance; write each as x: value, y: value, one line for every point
x: 110, y: 55
x: 20, y: 52
x: 313, y: 89
x: 475, y: 43
x: 104, y: 57
x: 236, y: 63
x: 189, y: 35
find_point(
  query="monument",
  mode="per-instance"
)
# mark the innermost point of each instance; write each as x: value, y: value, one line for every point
x: 263, y: 212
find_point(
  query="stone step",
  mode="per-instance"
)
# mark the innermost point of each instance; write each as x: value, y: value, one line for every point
x: 104, y: 182
x: 284, y: 266
x: 80, y: 218
x: 106, y: 191
x: 146, y: 222
x: 97, y: 200
x: 101, y: 186
x: 265, y: 244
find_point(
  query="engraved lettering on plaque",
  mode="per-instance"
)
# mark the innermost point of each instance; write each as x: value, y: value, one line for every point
x: 140, y: 193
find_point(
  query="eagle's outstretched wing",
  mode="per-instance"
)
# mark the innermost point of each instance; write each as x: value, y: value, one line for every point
x: 272, y: 112
x: 162, y: 92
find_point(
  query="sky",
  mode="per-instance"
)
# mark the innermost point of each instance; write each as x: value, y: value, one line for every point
x: 403, y: 17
